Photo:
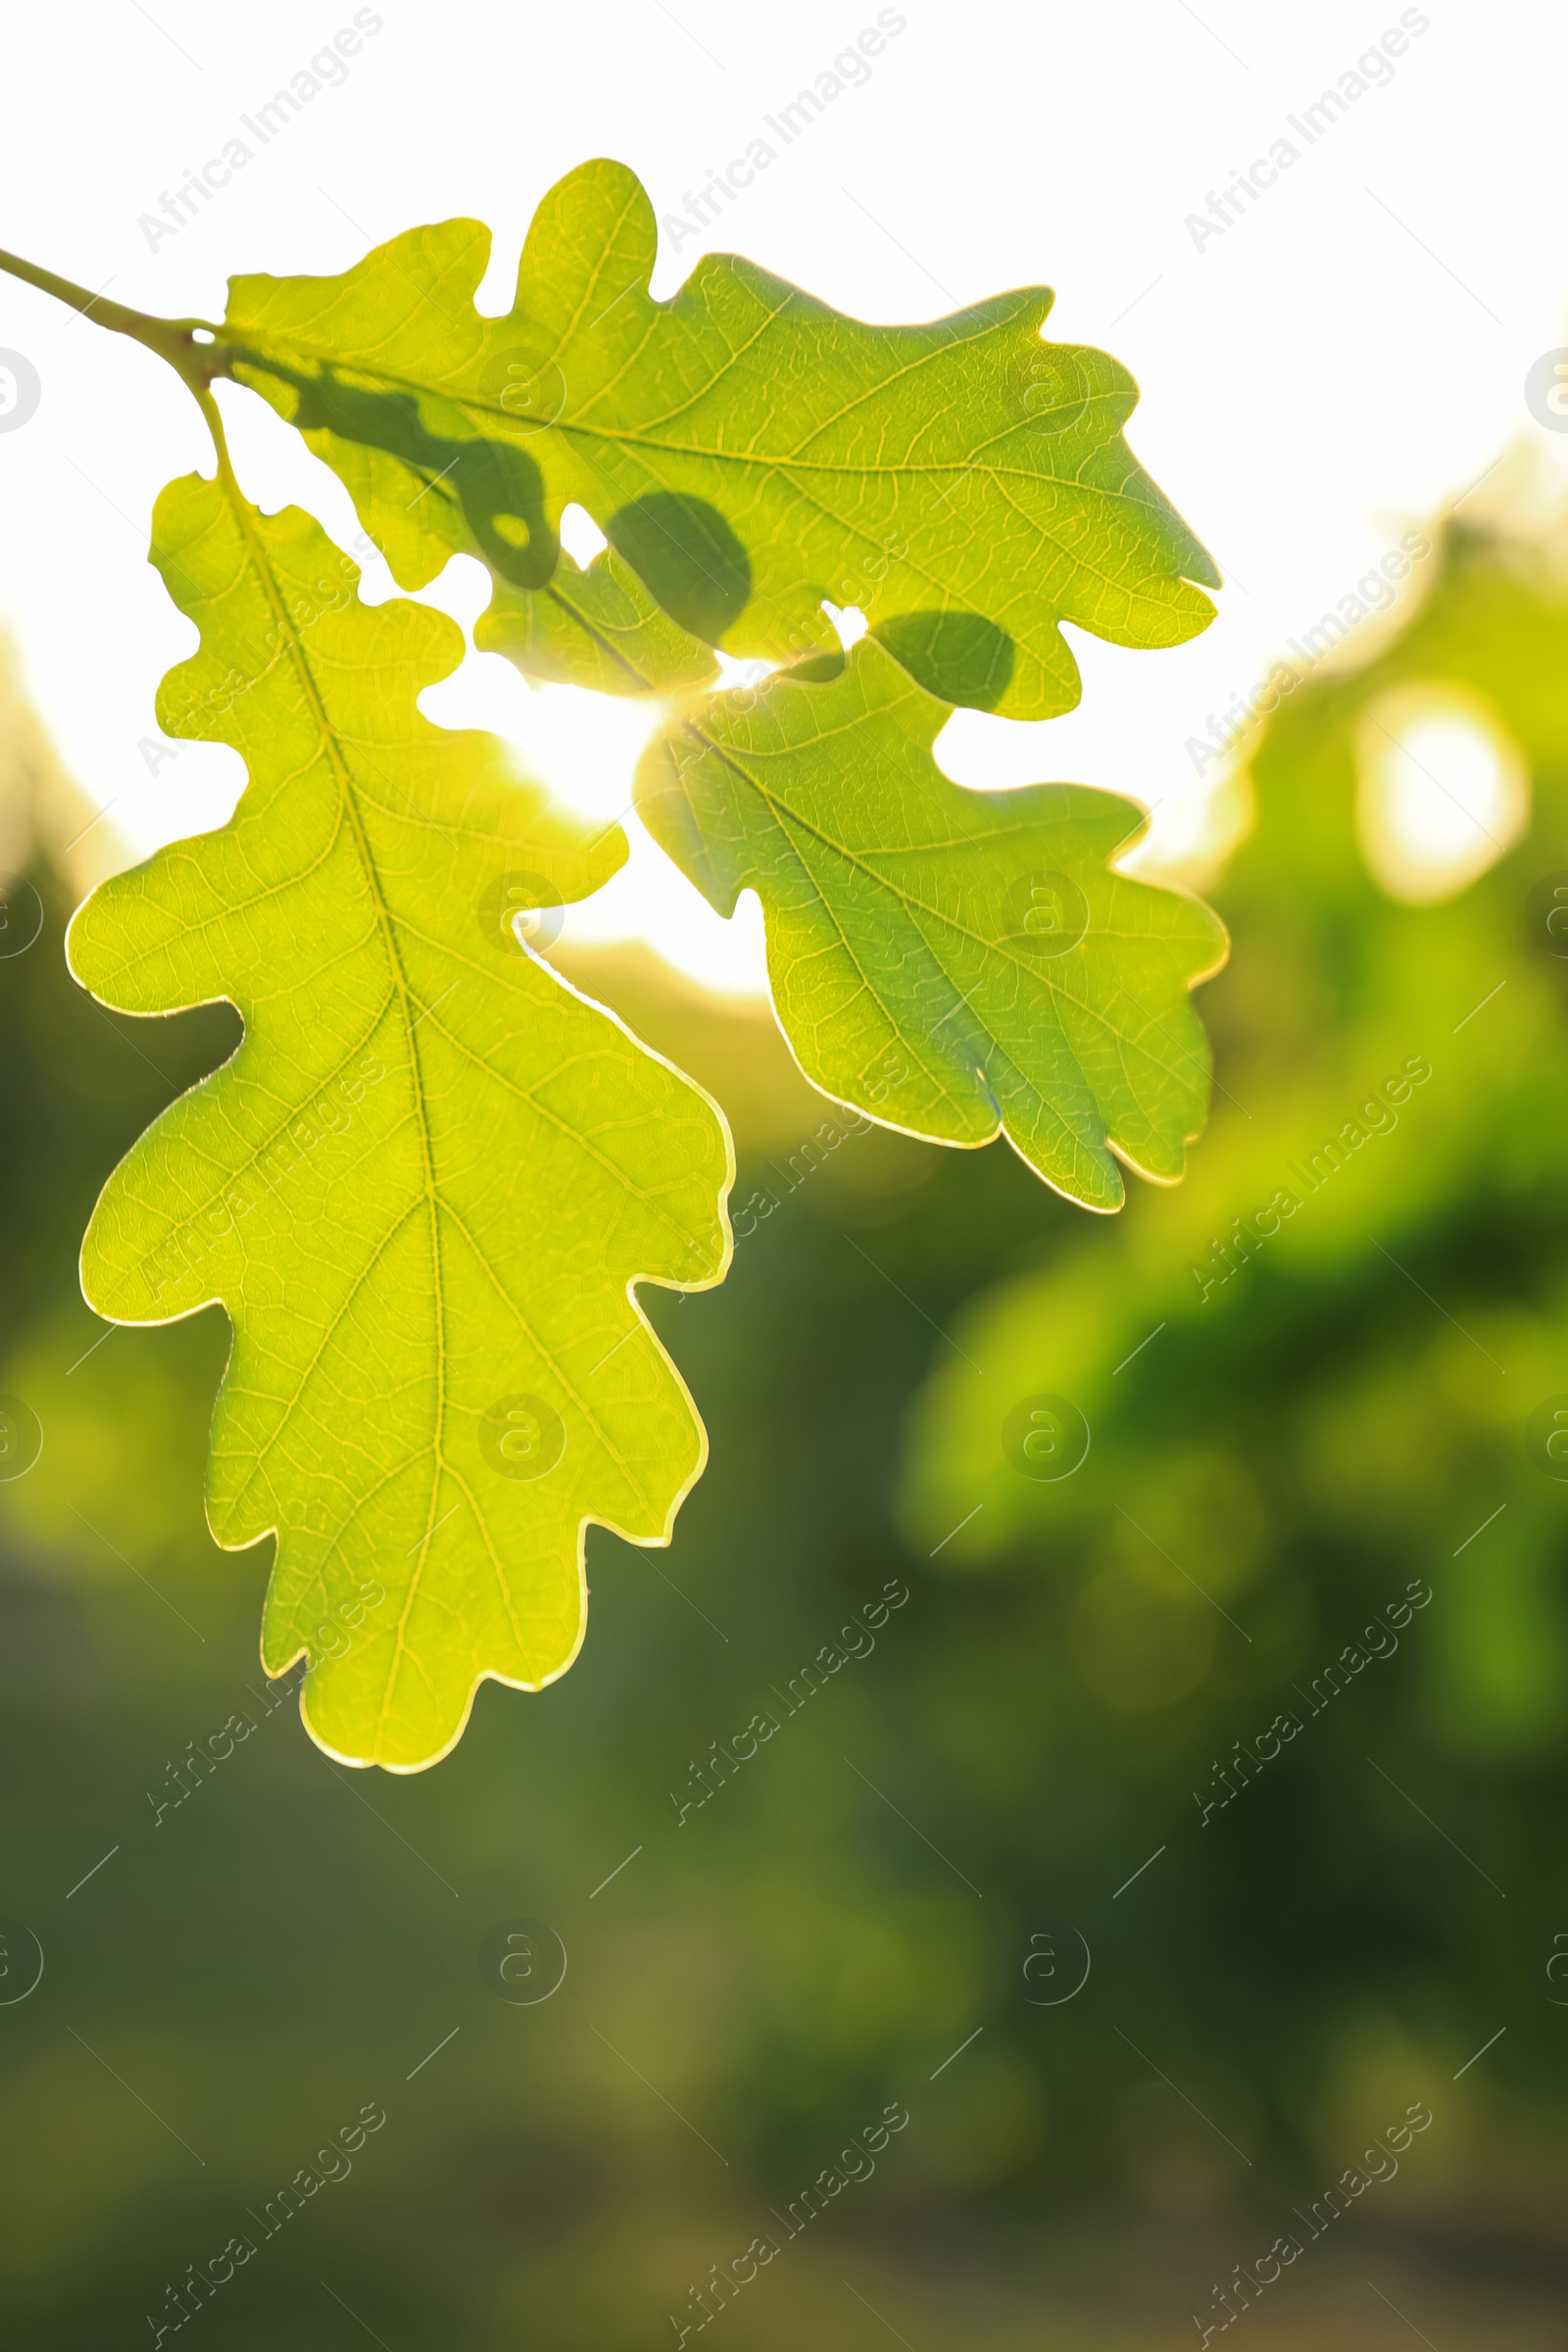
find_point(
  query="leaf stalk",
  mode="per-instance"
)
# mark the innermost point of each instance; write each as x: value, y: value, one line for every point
x: 197, y: 362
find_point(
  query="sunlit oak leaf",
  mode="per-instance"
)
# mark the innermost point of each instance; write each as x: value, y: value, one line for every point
x: 953, y: 962
x: 748, y: 451
x: 427, y: 1182
x: 593, y: 626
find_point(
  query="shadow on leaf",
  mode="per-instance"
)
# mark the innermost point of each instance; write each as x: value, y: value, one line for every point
x: 688, y: 558
x: 960, y: 657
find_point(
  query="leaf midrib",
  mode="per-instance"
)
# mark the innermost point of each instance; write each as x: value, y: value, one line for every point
x: 271, y: 589
x: 435, y: 1206
x: 263, y: 354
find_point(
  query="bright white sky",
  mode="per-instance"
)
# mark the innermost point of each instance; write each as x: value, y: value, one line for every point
x: 1334, y: 365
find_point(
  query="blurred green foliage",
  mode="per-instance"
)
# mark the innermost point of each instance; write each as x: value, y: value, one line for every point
x: 967, y: 1799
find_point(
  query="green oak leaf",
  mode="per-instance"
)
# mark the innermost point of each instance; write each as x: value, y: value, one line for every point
x: 595, y: 626
x: 428, y: 1180
x: 746, y: 451
x: 953, y: 962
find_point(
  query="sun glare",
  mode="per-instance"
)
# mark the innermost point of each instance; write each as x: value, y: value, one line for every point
x: 1443, y: 792
x: 584, y: 749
